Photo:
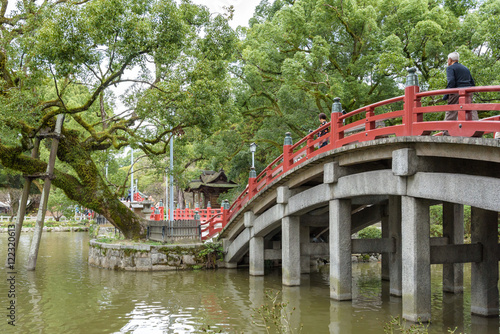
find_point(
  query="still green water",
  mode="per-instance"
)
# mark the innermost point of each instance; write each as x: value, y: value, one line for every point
x: 65, y: 295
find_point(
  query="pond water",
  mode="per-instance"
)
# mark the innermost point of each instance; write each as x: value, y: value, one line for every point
x: 65, y: 295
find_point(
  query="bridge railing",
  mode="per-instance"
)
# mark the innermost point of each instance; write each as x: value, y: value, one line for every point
x: 408, y: 121
x: 464, y: 126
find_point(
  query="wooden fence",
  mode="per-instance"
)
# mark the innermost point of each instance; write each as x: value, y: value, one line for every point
x: 167, y: 231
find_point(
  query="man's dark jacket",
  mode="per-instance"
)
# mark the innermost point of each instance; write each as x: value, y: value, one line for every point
x: 458, y: 76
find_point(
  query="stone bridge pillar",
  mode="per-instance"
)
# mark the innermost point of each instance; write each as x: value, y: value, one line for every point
x: 395, y: 258
x: 290, y: 256
x: 256, y: 247
x: 453, y: 229
x: 305, y: 258
x: 386, y: 276
x: 290, y: 242
x: 416, y: 259
x: 484, y: 274
x: 256, y: 256
x: 340, y: 249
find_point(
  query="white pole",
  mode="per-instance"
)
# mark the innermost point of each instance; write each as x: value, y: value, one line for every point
x: 132, y: 176
x: 171, y: 206
x: 166, y: 193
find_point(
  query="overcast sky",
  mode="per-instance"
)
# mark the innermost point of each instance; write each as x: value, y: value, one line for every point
x: 243, y: 9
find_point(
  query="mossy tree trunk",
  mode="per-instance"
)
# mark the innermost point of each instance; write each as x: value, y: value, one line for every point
x: 87, y: 187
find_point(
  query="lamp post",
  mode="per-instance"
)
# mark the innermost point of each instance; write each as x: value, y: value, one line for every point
x: 131, y: 175
x: 171, y: 205
x: 253, y: 148
x: 166, y: 194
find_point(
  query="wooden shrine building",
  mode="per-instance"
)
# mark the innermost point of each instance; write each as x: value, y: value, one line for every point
x: 208, y: 188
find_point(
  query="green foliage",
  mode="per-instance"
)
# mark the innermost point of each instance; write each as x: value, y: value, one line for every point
x: 396, y: 325
x: 276, y: 314
x: 211, y: 252
x: 370, y: 232
x: 70, y: 223
x: 436, y: 221
x: 67, y: 57
x: 106, y: 240
x: 296, y: 56
x: 93, y: 230
x: 436, y: 231
x: 60, y: 205
x: 364, y: 257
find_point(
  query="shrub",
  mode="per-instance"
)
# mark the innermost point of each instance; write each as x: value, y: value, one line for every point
x: 211, y: 252
x: 370, y: 232
x: 436, y: 231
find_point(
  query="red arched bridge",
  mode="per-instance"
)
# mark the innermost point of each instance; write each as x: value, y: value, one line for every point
x: 384, y: 167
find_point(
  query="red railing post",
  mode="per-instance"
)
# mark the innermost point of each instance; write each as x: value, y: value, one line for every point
x: 269, y: 175
x: 335, y: 134
x: 251, y: 186
x: 369, y: 124
x: 251, y: 183
x: 225, y: 212
x: 209, y: 210
x: 465, y: 98
x: 310, y: 147
x: 410, y: 102
x: 287, y: 151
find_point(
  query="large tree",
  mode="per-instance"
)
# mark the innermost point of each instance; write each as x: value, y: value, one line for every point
x: 297, y: 55
x: 64, y: 57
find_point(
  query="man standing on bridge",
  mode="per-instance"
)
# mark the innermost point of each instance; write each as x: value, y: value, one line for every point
x: 458, y: 76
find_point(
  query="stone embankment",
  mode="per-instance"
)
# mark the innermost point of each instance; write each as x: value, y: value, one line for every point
x: 145, y: 257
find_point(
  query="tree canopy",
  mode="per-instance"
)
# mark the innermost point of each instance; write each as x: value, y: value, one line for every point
x: 215, y: 90
x: 296, y: 56
x: 63, y: 57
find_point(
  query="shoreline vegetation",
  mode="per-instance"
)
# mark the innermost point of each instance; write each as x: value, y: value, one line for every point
x: 49, y: 226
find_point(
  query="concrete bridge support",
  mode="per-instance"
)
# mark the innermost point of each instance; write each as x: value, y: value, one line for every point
x: 395, y: 264
x: 256, y: 252
x: 386, y: 276
x: 340, y: 249
x: 417, y: 261
x: 305, y: 257
x: 453, y: 230
x: 484, y: 274
x: 290, y: 234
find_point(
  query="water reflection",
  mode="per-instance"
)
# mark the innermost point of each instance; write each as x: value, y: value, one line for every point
x: 65, y: 295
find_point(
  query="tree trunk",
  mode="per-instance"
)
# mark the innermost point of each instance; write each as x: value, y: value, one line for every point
x: 87, y: 188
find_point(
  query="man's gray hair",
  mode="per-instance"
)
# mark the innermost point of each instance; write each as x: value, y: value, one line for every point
x: 454, y: 56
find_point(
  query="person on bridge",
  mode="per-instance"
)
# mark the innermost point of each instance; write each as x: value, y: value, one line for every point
x: 458, y: 76
x: 323, y: 121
